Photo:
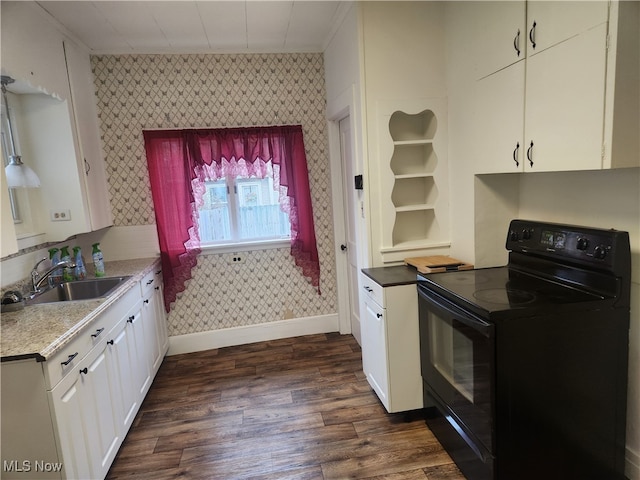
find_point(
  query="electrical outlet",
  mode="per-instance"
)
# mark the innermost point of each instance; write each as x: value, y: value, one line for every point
x: 62, y: 215
x: 235, y: 258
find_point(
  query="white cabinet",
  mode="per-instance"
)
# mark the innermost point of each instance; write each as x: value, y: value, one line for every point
x: 91, y: 162
x: 391, y: 346
x: 557, y: 121
x: 59, y: 135
x: 8, y: 241
x: 83, y: 400
x: 154, y: 319
x: 86, y: 417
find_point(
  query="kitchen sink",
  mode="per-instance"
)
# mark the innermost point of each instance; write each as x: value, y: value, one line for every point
x: 78, y: 290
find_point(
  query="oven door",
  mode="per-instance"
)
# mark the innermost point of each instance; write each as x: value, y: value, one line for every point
x: 457, y: 359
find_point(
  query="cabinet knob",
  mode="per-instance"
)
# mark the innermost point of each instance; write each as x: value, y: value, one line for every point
x: 84, y: 370
x: 343, y: 247
x: 379, y: 315
x: 131, y: 319
x: 146, y: 301
x: 109, y: 342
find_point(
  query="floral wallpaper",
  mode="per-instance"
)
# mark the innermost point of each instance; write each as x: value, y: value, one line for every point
x: 136, y: 92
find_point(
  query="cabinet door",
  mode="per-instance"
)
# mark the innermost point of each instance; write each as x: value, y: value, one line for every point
x: 150, y: 320
x: 374, y: 350
x: 161, y: 318
x: 102, y: 391
x: 86, y: 123
x: 69, y: 406
x: 8, y: 241
x: 564, y: 107
x: 137, y: 346
x: 500, y: 35
x: 124, y: 368
x: 556, y: 22
x: 499, y: 121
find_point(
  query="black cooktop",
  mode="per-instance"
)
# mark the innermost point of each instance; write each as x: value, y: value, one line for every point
x: 502, y: 291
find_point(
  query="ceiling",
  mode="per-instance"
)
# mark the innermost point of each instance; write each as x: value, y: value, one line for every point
x: 187, y: 26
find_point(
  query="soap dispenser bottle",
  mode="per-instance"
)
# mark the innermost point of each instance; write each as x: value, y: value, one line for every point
x: 98, y: 260
x: 56, y: 277
x: 67, y: 272
x: 80, y: 270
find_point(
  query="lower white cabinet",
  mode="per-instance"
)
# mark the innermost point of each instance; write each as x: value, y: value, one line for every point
x: 86, y: 406
x: 83, y: 400
x: 391, y: 345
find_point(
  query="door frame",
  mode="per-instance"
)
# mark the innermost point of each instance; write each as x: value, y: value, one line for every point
x: 340, y: 108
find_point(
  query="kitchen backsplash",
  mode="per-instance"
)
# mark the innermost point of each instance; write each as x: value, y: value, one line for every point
x: 137, y: 92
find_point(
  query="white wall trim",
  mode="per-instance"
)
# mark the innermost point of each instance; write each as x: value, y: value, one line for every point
x: 632, y: 467
x: 195, y: 342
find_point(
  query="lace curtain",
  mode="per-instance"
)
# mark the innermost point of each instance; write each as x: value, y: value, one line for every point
x: 180, y: 161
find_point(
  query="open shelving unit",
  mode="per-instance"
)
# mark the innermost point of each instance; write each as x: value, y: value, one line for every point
x: 414, y: 211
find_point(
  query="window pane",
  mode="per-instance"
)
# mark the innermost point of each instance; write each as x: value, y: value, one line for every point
x: 214, y: 220
x: 259, y: 213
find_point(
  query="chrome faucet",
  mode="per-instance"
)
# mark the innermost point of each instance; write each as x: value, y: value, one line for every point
x: 37, y: 278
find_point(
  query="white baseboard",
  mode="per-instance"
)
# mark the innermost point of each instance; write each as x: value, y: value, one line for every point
x: 195, y: 342
x: 632, y: 467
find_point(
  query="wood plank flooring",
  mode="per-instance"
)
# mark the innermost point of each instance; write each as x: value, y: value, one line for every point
x: 298, y: 408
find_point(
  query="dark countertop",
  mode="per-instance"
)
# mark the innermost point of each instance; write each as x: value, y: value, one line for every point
x: 392, y: 276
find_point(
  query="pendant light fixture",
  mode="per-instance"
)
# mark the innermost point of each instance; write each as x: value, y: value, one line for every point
x: 18, y: 174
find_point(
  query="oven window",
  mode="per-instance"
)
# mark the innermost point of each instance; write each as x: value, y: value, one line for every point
x: 451, y: 353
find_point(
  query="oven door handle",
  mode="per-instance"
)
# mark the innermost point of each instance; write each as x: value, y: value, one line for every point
x: 479, y: 325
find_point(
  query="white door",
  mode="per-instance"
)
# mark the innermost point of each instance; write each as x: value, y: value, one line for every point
x: 350, y: 214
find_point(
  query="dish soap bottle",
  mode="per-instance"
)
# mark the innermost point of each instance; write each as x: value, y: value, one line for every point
x: 67, y: 272
x: 98, y: 260
x: 80, y: 270
x: 56, y: 276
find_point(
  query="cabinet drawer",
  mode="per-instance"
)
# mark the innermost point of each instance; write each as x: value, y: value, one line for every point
x: 92, y: 334
x: 147, y: 282
x: 373, y: 290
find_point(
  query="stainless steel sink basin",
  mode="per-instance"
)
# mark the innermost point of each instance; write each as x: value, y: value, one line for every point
x: 79, y: 290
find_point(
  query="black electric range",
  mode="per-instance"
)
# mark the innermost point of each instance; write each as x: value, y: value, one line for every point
x: 527, y: 363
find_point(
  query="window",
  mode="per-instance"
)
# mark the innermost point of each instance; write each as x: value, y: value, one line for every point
x: 234, y: 179
x: 241, y: 210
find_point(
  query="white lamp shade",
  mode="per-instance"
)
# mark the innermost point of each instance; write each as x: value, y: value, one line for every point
x: 19, y: 175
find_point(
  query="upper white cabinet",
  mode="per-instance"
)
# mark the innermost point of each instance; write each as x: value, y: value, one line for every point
x: 8, y: 242
x: 91, y: 163
x: 59, y: 134
x: 500, y: 29
x: 547, y: 95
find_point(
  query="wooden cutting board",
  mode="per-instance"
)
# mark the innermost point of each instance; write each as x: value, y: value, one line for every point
x: 437, y: 264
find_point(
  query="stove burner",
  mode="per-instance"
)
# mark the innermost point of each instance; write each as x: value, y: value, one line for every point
x: 505, y: 296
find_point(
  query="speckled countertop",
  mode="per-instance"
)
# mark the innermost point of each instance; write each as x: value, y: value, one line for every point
x: 40, y: 331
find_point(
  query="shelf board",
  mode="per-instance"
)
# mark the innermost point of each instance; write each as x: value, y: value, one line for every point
x: 414, y: 245
x: 414, y: 208
x: 421, y: 141
x: 413, y: 175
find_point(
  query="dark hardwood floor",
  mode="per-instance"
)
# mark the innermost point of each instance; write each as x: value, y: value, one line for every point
x: 298, y: 408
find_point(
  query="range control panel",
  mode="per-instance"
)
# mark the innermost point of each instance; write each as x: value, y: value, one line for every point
x: 588, y: 245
